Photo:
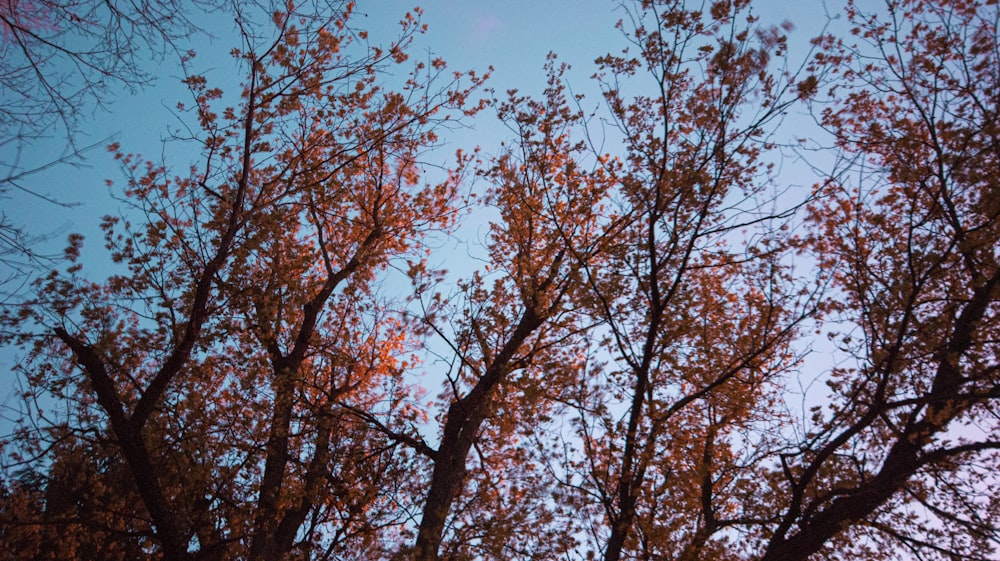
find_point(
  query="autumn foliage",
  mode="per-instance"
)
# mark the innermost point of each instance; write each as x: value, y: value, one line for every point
x: 277, y: 367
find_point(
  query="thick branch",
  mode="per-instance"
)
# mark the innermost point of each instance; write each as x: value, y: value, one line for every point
x: 166, y: 527
x: 465, y: 417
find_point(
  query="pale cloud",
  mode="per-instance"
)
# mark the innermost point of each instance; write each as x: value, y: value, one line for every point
x: 484, y: 26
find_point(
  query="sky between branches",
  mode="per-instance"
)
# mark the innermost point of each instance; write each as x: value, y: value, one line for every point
x: 514, y: 37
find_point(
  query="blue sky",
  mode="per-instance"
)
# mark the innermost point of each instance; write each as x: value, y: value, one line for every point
x: 513, y: 36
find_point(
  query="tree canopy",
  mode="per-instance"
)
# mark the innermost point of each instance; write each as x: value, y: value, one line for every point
x: 276, y: 367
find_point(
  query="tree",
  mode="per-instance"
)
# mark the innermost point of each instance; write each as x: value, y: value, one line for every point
x: 617, y: 376
x: 698, y: 325
x: 512, y: 345
x: 905, y: 455
x: 224, y: 360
